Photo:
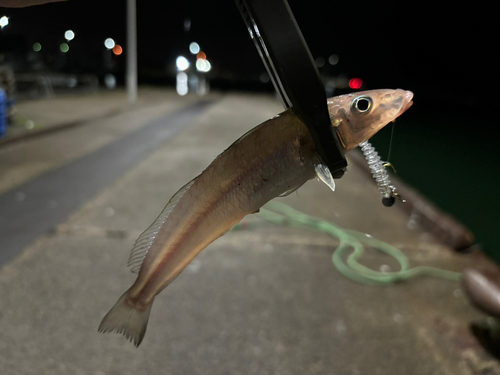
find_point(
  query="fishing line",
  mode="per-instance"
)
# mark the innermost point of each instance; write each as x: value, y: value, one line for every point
x: 390, y: 144
x: 279, y: 213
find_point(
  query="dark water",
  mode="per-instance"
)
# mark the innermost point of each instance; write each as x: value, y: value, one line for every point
x: 453, y: 159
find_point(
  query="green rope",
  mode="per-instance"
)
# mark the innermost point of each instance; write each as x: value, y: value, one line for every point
x: 279, y: 213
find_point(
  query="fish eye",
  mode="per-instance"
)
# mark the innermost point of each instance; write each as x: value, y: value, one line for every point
x: 361, y: 105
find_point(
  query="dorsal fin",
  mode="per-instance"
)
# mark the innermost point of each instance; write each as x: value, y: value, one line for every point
x: 146, y: 239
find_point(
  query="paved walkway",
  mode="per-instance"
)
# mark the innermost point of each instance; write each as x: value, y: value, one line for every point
x: 266, y: 301
x: 24, y: 156
x: 36, y: 117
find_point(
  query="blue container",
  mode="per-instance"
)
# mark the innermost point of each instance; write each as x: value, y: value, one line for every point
x: 3, y: 113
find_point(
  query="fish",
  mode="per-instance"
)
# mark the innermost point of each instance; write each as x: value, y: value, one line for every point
x: 273, y: 159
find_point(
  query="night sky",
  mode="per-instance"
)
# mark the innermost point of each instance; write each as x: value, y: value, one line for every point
x: 442, y: 52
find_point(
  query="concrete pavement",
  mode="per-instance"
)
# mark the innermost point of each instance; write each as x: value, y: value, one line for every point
x: 265, y: 301
x: 102, y: 118
x: 45, y: 201
x: 36, y: 117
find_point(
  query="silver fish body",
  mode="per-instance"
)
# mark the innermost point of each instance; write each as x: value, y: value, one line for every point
x: 273, y: 159
x: 251, y: 172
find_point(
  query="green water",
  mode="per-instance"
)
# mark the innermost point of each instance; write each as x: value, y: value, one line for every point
x: 452, y: 160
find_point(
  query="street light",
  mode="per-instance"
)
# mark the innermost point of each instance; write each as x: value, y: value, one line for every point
x: 182, y: 63
x: 203, y: 65
x: 109, y: 43
x: 4, y: 21
x: 64, y: 47
x: 69, y: 35
x: 194, y: 48
x: 117, y: 50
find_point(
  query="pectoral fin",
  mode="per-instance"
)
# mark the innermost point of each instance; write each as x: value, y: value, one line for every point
x: 325, y: 175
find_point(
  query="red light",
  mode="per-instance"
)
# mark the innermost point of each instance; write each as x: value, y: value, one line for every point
x: 117, y: 50
x: 355, y: 83
x: 201, y: 55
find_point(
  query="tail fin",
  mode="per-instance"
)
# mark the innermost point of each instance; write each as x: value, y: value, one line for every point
x: 130, y: 322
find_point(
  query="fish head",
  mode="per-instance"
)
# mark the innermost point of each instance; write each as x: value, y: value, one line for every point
x: 356, y: 117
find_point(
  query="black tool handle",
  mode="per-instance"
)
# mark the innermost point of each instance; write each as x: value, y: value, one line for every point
x: 287, y: 58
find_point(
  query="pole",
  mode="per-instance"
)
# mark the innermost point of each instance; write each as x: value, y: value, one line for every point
x: 131, y: 51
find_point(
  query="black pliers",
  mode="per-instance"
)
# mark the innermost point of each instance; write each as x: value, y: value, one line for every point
x: 291, y: 68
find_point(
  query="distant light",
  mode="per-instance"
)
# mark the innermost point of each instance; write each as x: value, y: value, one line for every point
x: 333, y: 59
x: 182, y: 84
x: 187, y: 24
x: 37, y: 47
x: 355, y: 83
x: 110, y: 81
x: 202, y: 87
x: 182, y: 89
x: 320, y: 62
x: 208, y: 66
x: 182, y: 63
x: 194, y: 48
x: 64, y: 47
x: 264, y: 77
x: 201, y: 65
x: 117, y: 50
x: 72, y: 81
x: 182, y: 77
x: 4, y: 21
x: 109, y: 43
x: 201, y: 55
x: 69, y: 35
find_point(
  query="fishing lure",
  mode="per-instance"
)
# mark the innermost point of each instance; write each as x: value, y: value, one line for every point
x: 379, y: 173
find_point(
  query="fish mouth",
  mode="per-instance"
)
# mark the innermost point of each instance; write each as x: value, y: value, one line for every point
x: 407, y: 103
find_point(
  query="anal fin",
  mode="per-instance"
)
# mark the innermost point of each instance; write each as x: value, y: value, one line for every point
x: 146, y: 239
